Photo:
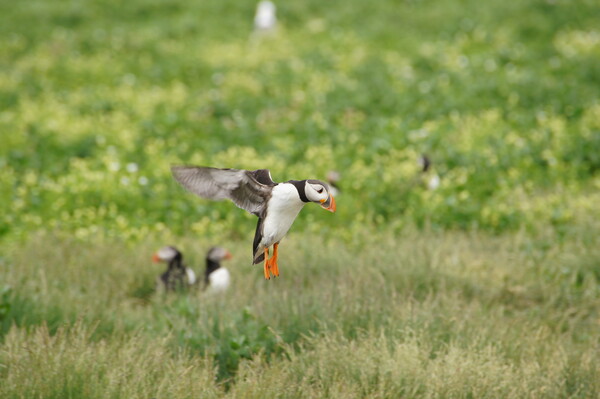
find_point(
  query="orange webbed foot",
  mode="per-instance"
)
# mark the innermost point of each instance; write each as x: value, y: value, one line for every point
x: 274, y: 267
x: 267, y: 265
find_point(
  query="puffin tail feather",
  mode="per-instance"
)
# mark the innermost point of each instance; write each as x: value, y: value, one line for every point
x: 259, y: 255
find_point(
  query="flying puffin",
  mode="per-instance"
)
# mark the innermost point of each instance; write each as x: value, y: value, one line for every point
x: 177, y: 276
x: 275, y: 204
x: 216, y: 277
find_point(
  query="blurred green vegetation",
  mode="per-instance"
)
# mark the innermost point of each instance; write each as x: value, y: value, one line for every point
x: 99, y: 98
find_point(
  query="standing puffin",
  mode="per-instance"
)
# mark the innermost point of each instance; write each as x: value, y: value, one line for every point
x: 333, y: 177
x: 275, y: 204
x: 177, y: 276
x: 216, y: 277
x: 433, y: 182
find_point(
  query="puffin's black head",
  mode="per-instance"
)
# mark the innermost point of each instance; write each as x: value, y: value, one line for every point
x: 168, y: 254
x: 333, y: 177
x: 319, y: 192
x: 316, y: 191
x: 217, y: 254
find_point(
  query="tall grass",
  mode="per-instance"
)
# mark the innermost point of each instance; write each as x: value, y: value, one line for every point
x: 425, y: 314
x: 69, y: 364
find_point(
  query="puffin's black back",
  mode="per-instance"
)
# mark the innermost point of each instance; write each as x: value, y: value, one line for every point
x: 175, y: 276
x: 257, y: 239
x: 263, y: 176
x: 174, y: 279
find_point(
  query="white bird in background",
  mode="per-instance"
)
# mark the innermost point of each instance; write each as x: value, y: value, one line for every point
x: 265, y: 19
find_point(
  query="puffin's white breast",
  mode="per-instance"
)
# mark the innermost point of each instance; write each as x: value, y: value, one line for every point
x: 219, y: 280
x: 191, y: 276
x: 282, y: 210
x: 434, y: 182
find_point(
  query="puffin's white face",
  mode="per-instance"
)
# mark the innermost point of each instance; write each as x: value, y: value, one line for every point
x: 318, y: 191
x: 165, y: 254
x: 217, y: 254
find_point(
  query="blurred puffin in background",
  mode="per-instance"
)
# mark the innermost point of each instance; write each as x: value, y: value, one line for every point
x: 177, y: 276
x: 216, y: 277
x: 432, y: 180
x: 275, y: 204
x: 333, y: 178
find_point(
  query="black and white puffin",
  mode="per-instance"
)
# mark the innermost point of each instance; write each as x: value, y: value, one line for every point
x: 433, y: 180
x: 177, y: 276
x: 275, y: 204
x: 333, y: 177
x: 216, y: 277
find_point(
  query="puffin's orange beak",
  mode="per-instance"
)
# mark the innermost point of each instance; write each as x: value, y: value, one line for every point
x: 228, y: 255
x: 155, y: 258
x: 329, y: 204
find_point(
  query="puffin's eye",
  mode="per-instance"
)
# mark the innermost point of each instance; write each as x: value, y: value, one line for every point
x: 320, y: 190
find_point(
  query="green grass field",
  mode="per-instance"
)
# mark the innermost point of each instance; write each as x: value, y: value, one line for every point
x: 486, y: 287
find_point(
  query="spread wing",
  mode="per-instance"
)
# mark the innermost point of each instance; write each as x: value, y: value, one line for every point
x: 249, y: 190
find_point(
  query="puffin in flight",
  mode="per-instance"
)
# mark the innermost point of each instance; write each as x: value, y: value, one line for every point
x: 275, y: 204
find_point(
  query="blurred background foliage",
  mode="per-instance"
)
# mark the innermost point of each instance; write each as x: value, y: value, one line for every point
x: 99, y: 98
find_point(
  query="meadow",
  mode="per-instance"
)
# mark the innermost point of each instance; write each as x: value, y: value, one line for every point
x: 487, y: 286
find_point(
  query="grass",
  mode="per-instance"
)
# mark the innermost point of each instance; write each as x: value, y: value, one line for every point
x: 421, y: 315
x: 70, y: 364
